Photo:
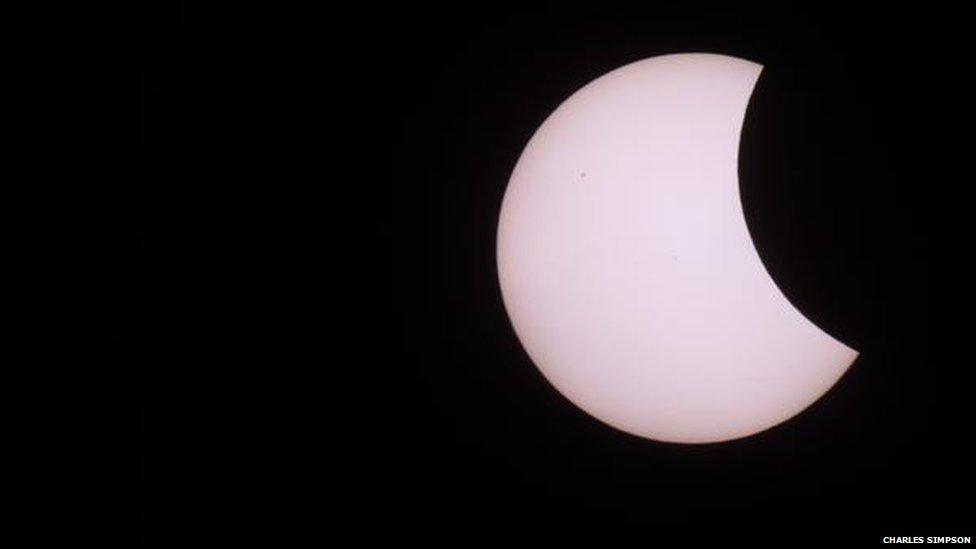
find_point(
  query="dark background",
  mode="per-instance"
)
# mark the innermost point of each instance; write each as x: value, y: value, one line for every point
x: 297, y: 325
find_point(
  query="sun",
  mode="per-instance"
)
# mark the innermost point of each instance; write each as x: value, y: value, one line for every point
x: 628, y: 271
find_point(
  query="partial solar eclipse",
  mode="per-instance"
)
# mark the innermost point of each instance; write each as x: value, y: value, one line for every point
x: 628, y: 271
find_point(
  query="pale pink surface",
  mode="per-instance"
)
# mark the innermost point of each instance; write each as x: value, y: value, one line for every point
x: 627, y: 269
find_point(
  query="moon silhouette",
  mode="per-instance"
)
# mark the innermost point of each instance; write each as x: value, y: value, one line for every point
x: 627, y: 269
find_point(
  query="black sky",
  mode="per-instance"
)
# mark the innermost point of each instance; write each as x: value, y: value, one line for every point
x: 297, y: 321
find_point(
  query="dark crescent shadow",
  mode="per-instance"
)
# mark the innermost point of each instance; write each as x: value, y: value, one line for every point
x: 804, y: 184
